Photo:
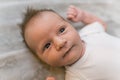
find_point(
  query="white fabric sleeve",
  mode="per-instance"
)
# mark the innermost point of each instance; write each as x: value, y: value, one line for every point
x: 95, y: 27
x: 73, y: 76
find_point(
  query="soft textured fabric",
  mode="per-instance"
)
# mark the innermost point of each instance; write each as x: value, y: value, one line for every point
x: 101, y: 60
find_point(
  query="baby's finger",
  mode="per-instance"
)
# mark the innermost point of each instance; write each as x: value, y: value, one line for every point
x: 71, y: 13
x: 70, y: 17
x: 50, y: 78
x: 72, y: 7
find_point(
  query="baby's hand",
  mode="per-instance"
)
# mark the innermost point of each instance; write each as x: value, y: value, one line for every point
x: 74, y: 14
x: 50, y: 78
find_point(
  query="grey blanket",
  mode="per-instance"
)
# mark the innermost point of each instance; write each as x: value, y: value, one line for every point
x: 16, y: 61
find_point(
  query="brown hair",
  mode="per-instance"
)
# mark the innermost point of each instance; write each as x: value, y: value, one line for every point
x: 28, y: 15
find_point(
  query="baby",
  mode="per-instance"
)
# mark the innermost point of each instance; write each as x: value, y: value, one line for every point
x: 90, y: 54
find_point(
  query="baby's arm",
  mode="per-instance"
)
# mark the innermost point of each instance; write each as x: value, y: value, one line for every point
x: 77, y: 15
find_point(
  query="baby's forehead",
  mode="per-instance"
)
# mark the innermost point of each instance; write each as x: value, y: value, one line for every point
x: 44, y: 13
x: 50, y: 13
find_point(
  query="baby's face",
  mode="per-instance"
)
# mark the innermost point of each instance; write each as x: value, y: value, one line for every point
x: 54, y: 40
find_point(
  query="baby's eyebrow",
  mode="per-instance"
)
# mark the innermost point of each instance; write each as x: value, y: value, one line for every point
x: 61, y: 23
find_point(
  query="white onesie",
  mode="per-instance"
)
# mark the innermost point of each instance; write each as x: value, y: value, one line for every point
x: 101, y: 60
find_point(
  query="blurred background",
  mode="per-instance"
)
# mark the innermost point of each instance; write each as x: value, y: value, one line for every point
x: 16, y: 61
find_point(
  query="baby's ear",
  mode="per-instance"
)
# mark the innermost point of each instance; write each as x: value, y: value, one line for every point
x: 50, y: 78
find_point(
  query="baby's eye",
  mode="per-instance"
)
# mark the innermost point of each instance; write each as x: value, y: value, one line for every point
x: 62, y: 30
x: 47, y: 46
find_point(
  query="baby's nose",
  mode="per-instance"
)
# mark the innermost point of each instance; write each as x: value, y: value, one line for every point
x: 59, y: 42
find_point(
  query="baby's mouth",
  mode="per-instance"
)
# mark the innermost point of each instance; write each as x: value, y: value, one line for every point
x: 67, y: 52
